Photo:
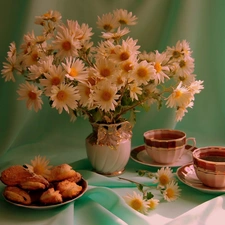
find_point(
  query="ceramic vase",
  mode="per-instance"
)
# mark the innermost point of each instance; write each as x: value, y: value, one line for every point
x: 108, y: 147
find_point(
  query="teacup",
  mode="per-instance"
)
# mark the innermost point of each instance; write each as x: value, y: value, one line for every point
x: 209, y: 164
x: 166, y: 146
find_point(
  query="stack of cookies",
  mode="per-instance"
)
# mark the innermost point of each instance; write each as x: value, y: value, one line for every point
x: 25, y: 187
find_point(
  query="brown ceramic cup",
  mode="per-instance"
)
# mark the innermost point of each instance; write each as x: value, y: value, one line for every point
x: 209, y: 164
x: 166, y: 146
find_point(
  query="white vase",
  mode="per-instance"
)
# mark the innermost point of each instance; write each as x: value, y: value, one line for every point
x: 108, y: 147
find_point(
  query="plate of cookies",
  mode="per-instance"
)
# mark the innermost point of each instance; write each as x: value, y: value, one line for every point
x: 26, y: 188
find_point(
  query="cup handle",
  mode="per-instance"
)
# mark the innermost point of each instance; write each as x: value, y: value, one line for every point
x: 194, y: 143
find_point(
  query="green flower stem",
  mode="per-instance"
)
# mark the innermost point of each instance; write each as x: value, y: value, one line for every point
x: 137, y: 183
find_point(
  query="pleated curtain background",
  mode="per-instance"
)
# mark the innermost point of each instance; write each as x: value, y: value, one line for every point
x: 161, y: 23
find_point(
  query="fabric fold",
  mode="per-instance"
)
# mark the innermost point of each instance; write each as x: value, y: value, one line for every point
x: 207, y: 213
x: 112, y: 203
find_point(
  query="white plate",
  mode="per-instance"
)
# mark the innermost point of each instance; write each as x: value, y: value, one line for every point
x: 83, y: 183
x: 186, y: 174
x: 140, y: 155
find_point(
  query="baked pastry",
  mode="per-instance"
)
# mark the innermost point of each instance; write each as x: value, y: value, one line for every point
x: 50, y: 197
x: 14, y: 175
x: 17, y: 195
x: 76, y: 178
x: 68, y: 189
x: 61, y: 172
x: 20, y: 176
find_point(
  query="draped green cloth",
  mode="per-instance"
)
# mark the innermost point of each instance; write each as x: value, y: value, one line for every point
x: 161, y: 23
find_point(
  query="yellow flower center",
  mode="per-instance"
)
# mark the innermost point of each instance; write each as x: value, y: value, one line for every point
x: 178, y: 93
x: 127, y: 67
x: 176, y: 54
x: 105, y: 72
x: 158, y: 67
x: 170, y: 193
x: 107, y: 27
x: 61, y: 95
x: 164, y: 179
x: 32, y: 95
x: 87, y: 91
x: 152, y: 204
x: 182, y: 63
x: 121, y: 21
x: 119, y: 80
x: 124, y: 56
x: 55, y: 81
x: 142, y: 72
x: 66, y: 45
x: 47, y: 15
x: 34, y: 57
x: 106, y: 96
x: 73, y: 72
x: 136, y: 204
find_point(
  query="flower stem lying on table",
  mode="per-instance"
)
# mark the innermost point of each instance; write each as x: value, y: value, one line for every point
x: 166, y: 185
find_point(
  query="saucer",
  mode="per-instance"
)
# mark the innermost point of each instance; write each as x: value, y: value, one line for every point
x: 186, y: 174
x: 140, y: 155
x: 83, y: 183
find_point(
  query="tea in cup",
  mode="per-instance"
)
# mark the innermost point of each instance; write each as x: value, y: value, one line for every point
x: 209, y: 165
x: 166, y: 146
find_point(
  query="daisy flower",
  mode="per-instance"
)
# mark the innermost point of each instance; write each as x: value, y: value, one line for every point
x: 159, y: 68
x: 136, y: 202
x: 40, y: 165
x: 127, y: 49
x: 85, y: 94
x: 180, y: 96
x: 143, y: 73
x: 120, y: 80
x: 153, y: 203
x: 8, y: 68
x: 196, y: 87
x: 182, y: 49
x: 104, y: 49
x: 75, y: 69
x: 74, y: 29
x: 32, y: 94
x: 115, y: 35
x: 54, y: 78
x: 171, y: 192
x: 32, y: 57
x: 12, y: 50
x: 124, y: 17
x: 105, y: 69
x: 29, y: 42
x: 184, y: 66
x: 107, y: 22
x: 180, y: 112
x: 151, y: 90
x: 72, y: 115
x: 105, y: 95
x: 65, y: 43
x: 128, y: 66
x: 64, y: 97
x: 86, y: 32
x: 134, y: 91
x: 43, y: 66
x: 52, y: 15
x: 186, y: 79
x: 164, y: 176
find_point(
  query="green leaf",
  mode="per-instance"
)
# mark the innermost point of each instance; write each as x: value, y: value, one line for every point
x: 140, y: 187
x: 141, y: 172
x: 149, y: 195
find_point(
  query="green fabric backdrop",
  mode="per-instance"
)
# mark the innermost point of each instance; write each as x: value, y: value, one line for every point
x: 161, y: 23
